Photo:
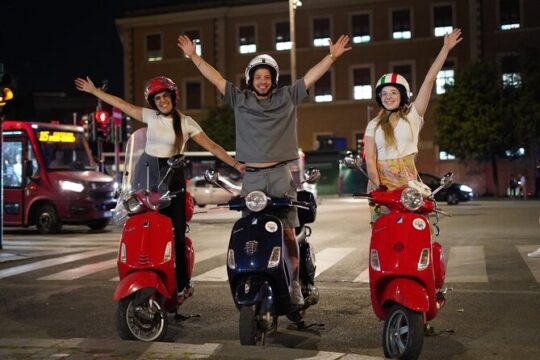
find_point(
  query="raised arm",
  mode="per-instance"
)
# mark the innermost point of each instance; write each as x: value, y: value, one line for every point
x: 424, y: 94
x: 88, y: 86
x: 203, y: 140
x: 336, y: 50
x: 208, y: 71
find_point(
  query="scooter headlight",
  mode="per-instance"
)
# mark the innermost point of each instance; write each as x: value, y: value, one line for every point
x: 411, y: 199
x: 256, y: 201
x: 133, y: 204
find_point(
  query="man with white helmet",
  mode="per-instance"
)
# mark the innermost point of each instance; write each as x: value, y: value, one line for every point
x: 266, y: 121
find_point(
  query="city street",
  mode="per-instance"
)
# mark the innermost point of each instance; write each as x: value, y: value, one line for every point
x: 61, y: 286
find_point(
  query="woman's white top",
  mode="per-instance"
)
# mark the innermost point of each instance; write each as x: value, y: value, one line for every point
x: 160, y: 136
x: 405, y: 132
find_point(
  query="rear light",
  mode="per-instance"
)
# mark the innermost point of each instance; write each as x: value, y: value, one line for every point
x: 423, y: 262
x: 374, y: 260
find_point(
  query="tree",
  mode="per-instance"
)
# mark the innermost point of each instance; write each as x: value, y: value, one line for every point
x: 219, y: 126
x: 469, y: 118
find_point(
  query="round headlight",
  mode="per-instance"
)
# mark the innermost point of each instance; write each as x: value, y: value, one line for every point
x: 133, y: 205
x: 256, y: 201
x: 411, y: 199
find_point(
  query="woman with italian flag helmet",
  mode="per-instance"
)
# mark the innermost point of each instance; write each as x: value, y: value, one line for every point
x: 391, y: 138
x: 167, y: 134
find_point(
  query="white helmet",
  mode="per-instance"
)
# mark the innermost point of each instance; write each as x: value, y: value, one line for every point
x: 266, y: 61
x: 397, y: 81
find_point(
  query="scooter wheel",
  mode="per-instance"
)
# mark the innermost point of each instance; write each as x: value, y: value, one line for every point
x: 250, y: 331
x: 144, y: 322
x: 403, y: 334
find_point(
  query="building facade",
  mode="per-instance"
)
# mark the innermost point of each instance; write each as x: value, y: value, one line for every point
x: 386, y: 36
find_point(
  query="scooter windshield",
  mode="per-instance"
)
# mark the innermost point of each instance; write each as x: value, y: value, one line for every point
x: 141, y: 174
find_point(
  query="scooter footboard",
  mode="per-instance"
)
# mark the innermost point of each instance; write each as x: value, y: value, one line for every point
x: 406, y: 292
x: 251, y: 291
x: 139, y: 280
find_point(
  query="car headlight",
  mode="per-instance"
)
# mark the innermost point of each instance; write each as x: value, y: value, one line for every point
x: 71, y: 186
x: 465, y: 188
x: 256, y: 201
x: 133, y: 204
x: 411, y: 199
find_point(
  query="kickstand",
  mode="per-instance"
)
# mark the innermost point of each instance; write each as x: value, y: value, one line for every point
x: 180, y: 317
x: 301, y: 325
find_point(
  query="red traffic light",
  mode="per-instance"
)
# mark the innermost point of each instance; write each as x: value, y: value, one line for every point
x: 102, y: 117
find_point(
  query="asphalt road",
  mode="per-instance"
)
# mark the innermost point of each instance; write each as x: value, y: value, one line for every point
x: 493, y: 311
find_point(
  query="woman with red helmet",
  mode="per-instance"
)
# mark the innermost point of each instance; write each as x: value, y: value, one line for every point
x: 391, y: 138
x: 167, y: 134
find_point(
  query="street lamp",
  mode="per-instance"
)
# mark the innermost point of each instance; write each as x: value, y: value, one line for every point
x: 293, y: 4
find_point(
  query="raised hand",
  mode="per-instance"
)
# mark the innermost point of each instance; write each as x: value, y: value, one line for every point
x: 85, y: 85
x: 186, y: 45
x: 339, y: 47
x: 452, y: 39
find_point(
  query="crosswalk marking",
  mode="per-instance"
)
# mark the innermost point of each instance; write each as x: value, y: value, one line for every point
x: 81, y: 271
x: 217, y: 274
x: 52, y: 262
x: 532, y: 263
x: 466, y: 264
x: 328, y: 257
x: 363, y: 277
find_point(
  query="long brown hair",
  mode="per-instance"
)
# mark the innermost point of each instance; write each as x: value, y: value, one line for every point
x: 177, y: 125
x: 383, y: 120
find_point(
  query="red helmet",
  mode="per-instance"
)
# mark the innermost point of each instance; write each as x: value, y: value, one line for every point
x: 160, y: 84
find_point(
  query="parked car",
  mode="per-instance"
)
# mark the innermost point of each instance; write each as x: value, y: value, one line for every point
x: 204, y: 193
x: 453, y: 194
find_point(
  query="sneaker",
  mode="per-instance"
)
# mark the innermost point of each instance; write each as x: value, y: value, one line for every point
x: 296, y: 293
x: 535, y: 253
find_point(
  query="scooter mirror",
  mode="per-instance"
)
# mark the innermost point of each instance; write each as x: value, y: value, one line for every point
x: 353, y: 162
x: 211, y: 176
x: 312, y: 175
x: 447, y: 180
x: 177, y: 161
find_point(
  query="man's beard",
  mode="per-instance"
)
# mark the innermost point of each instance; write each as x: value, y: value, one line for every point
x: 262, y: 95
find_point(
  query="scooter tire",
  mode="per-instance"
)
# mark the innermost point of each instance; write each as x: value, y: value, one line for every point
x: 132, y: 327
x: 403, y: 335
x: 250, y: 332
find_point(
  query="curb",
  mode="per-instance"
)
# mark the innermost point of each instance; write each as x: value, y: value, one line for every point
x: 80, y: 348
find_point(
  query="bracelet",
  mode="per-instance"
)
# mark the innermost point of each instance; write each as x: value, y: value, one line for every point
x: 199, y: 64
x: 235, y: 163
x: 332, y: 56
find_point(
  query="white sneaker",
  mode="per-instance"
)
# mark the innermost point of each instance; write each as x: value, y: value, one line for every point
x: 535, y: 253
x: 296, y: 293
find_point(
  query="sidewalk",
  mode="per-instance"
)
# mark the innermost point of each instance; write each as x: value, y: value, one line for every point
x: 117, y: 349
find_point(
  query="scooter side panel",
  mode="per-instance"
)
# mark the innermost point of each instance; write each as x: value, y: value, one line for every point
x: 137, y: 281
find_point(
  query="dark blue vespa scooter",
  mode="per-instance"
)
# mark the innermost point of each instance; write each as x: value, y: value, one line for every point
x: 257, y: 271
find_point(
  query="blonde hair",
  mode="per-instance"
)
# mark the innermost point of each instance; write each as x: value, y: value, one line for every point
x: 383, y: 120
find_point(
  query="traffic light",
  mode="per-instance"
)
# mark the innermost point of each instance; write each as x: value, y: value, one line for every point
x: 6, y: 94
x: 103, y: 123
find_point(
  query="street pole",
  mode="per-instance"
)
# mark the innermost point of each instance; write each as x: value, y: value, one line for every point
x: 292, y: 7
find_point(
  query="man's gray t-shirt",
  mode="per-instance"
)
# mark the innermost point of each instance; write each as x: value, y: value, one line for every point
x: 266, y: 129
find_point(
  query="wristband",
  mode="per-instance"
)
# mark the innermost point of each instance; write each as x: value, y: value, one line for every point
x: 332, y: 56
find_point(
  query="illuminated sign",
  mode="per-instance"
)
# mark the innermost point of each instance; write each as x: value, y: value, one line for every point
x: 57, y: 136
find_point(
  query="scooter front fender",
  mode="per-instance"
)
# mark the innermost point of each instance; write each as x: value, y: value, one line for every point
x: 139, y: 280
x: 406, y: 292
x: 258, y: 291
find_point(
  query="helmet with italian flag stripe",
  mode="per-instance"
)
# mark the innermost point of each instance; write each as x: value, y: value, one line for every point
x: 397, y: 81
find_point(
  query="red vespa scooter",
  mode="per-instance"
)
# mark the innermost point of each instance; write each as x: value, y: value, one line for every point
x: 406, y: 266
x: 146, y: 261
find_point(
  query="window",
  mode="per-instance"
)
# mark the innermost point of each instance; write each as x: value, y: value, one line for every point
x: 445, y: 155
x: 323, y: 88
x: 510, y: 71
x: 154, y: 50
x: 362, y: 84
x: 445, y: 77
x: 321, y: 32
x: 405, y: 71
x: 13, y: 167
x: 509, y: 14
x: 359, y: 141
x: 247, y: 39
x: 360, y: 29
x: 283, y: 36
x: 401, y: 24
x: 284, y: 80
x: 195, y: 36
x: 442, y: 20
x: 193, y: 95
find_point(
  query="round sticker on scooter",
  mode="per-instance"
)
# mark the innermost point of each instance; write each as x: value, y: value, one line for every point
x: 419, y: 224
x: 271, y: 226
